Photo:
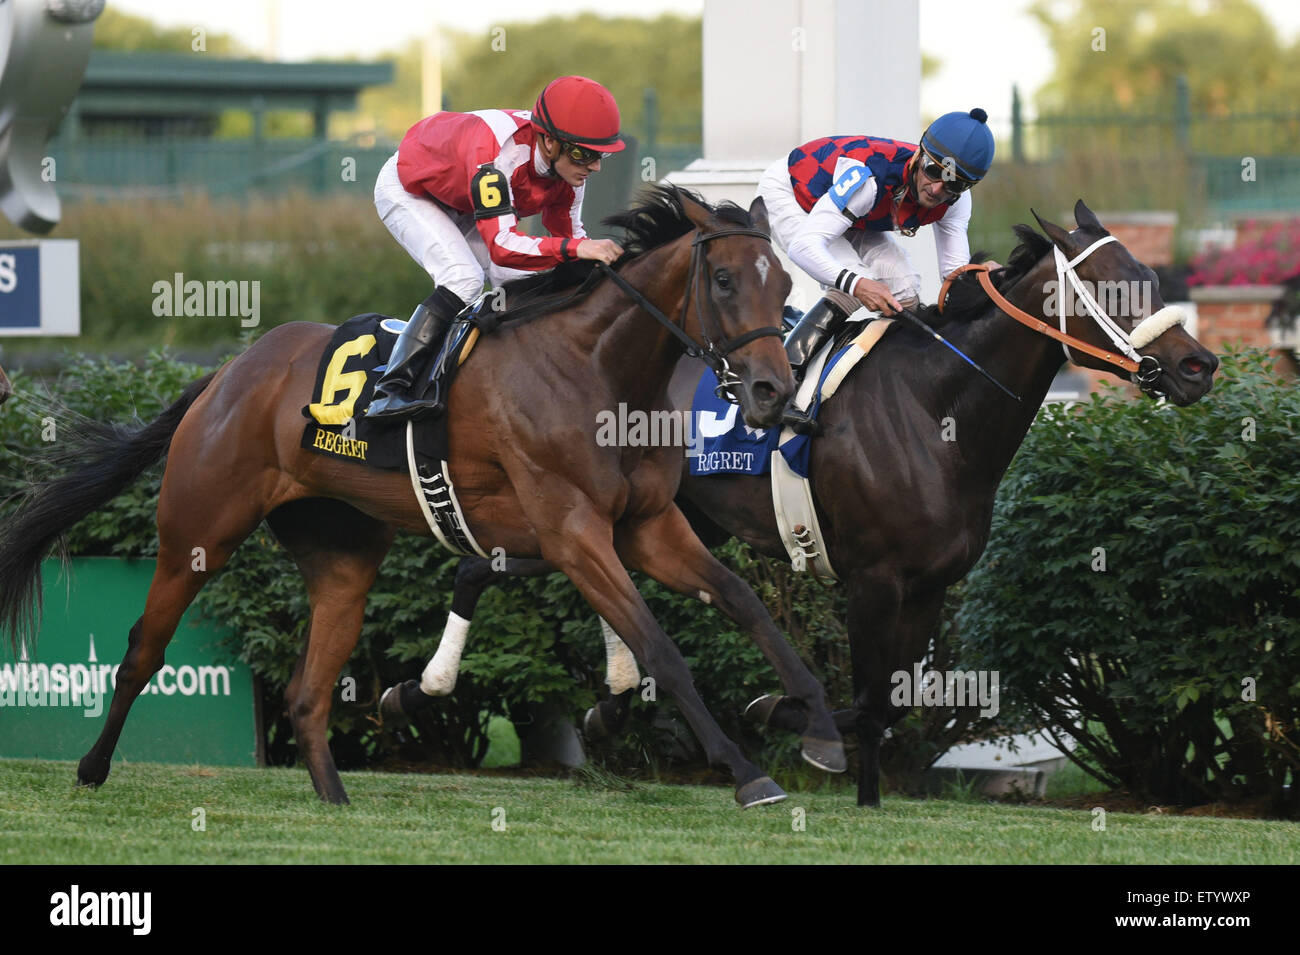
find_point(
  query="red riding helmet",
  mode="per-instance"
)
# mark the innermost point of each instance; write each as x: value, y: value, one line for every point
x: 577, y: 110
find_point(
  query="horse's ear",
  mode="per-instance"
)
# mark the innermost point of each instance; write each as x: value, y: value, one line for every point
x: 701, y: 215
x: 758, y: 215
x: 1054, y: 232
x: 1086, y: 218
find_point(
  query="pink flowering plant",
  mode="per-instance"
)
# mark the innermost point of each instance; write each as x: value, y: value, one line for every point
x: 1266, y: 253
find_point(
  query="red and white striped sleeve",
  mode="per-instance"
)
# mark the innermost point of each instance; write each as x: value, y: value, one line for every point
x: 511, y: 248
x: 566, y: 220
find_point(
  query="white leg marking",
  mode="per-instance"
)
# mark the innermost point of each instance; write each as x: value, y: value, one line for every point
x: 621, y: 671
x: 439, y: 677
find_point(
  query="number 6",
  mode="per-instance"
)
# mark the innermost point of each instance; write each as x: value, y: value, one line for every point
x: 488, y: 194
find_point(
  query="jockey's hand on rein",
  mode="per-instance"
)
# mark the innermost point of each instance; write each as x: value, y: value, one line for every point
x: 876, y: 296
x: 602, y: 250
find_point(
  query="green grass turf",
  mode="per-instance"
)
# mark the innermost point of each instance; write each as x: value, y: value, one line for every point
x: 145, y: 814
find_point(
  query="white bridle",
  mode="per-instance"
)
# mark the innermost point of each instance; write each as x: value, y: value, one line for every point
x: 1143, y: 334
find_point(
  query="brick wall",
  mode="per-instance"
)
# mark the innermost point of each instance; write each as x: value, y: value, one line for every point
x: 1148, y: 235
x: 1234, y: 313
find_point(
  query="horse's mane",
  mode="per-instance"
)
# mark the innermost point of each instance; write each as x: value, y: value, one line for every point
x: 966, y: 298
x: 658, y: 217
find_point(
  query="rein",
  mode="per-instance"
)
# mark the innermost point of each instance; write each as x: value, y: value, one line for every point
x: 1145, y: 370
x: 715, y: 349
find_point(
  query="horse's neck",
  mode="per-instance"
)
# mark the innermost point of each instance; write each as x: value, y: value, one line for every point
x: 636, y: 353
x: 987, y: 425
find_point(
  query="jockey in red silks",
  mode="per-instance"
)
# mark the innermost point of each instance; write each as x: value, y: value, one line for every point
x: 833, y: 202
x: 453, y: 194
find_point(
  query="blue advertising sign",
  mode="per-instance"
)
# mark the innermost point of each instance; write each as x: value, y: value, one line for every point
x: 20, y: 288
x: 40, y: 287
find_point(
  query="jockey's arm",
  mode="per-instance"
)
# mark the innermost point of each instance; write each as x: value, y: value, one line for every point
x: 492, y: 200
x: 950, y: 240
x: 512, y: 249
x: 851, y: 195
x: 559, y: 220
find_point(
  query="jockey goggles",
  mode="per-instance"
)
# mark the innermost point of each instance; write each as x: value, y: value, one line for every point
x: 581, y: 155
x: 936, y: 171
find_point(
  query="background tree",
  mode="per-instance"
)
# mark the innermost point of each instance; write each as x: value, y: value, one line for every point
x: 115, y: 30
x: 1147, y: 44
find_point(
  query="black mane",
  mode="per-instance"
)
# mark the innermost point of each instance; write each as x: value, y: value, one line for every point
x: 657, y: 218
x: 660, y: 216
x: 966, y: 298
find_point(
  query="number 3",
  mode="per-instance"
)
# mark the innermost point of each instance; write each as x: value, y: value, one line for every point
x: 847, y: 182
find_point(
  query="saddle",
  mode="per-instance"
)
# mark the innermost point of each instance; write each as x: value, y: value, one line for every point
x: 337, y: 426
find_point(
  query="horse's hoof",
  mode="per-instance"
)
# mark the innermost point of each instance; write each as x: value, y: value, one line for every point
x: 760, y: 710
x: 402, y: 701
x: 593, y: 727
x: 390, y: 706
x: 607, y: 718
x: 778, y: 712
x: 91, y: 776
x: 825, y: 754
x: 759, y: 792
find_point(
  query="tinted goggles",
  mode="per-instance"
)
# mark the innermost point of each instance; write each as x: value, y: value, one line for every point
x: 581, y: 155
x: 936, y: 171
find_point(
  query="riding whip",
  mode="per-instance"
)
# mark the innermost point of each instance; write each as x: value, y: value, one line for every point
x: 912, y: 317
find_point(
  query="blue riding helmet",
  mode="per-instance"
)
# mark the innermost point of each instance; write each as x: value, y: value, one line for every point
x: 965, y: 139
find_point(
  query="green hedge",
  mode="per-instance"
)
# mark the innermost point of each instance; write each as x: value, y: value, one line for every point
x: 1141, y: 589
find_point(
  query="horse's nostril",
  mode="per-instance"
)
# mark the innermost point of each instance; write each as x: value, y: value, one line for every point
x: 764, y: 392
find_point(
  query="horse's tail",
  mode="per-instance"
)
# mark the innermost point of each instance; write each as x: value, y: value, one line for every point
x: 111, y: 457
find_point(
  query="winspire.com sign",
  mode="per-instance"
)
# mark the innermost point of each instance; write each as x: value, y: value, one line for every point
x: 198, y: 708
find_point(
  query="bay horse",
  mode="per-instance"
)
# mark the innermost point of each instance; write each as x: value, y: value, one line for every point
x: 531, y: 477
x: 904, y: 477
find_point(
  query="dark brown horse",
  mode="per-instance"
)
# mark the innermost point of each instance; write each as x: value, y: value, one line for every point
x: 6, y: 389
x: 531, y: 477
x: 914, y: 447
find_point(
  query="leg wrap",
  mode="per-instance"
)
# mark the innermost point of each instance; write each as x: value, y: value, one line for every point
x: 439, y: 677
x: 621, y: 672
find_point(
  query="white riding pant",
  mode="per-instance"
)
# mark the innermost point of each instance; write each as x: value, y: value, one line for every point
x: 873, y: 254
x: 444, y: 241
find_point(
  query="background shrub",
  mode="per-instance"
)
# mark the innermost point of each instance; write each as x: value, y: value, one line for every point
x: 1176, y: 669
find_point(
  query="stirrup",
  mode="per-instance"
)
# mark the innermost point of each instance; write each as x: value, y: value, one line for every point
x: 800, y: 422
x: 396, y: 407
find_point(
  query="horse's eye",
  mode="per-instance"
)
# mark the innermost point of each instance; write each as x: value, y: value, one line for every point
x: 723, y: 278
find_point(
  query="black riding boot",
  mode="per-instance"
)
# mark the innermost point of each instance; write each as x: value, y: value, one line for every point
x: 818, y: 324
x: 417, y: 344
